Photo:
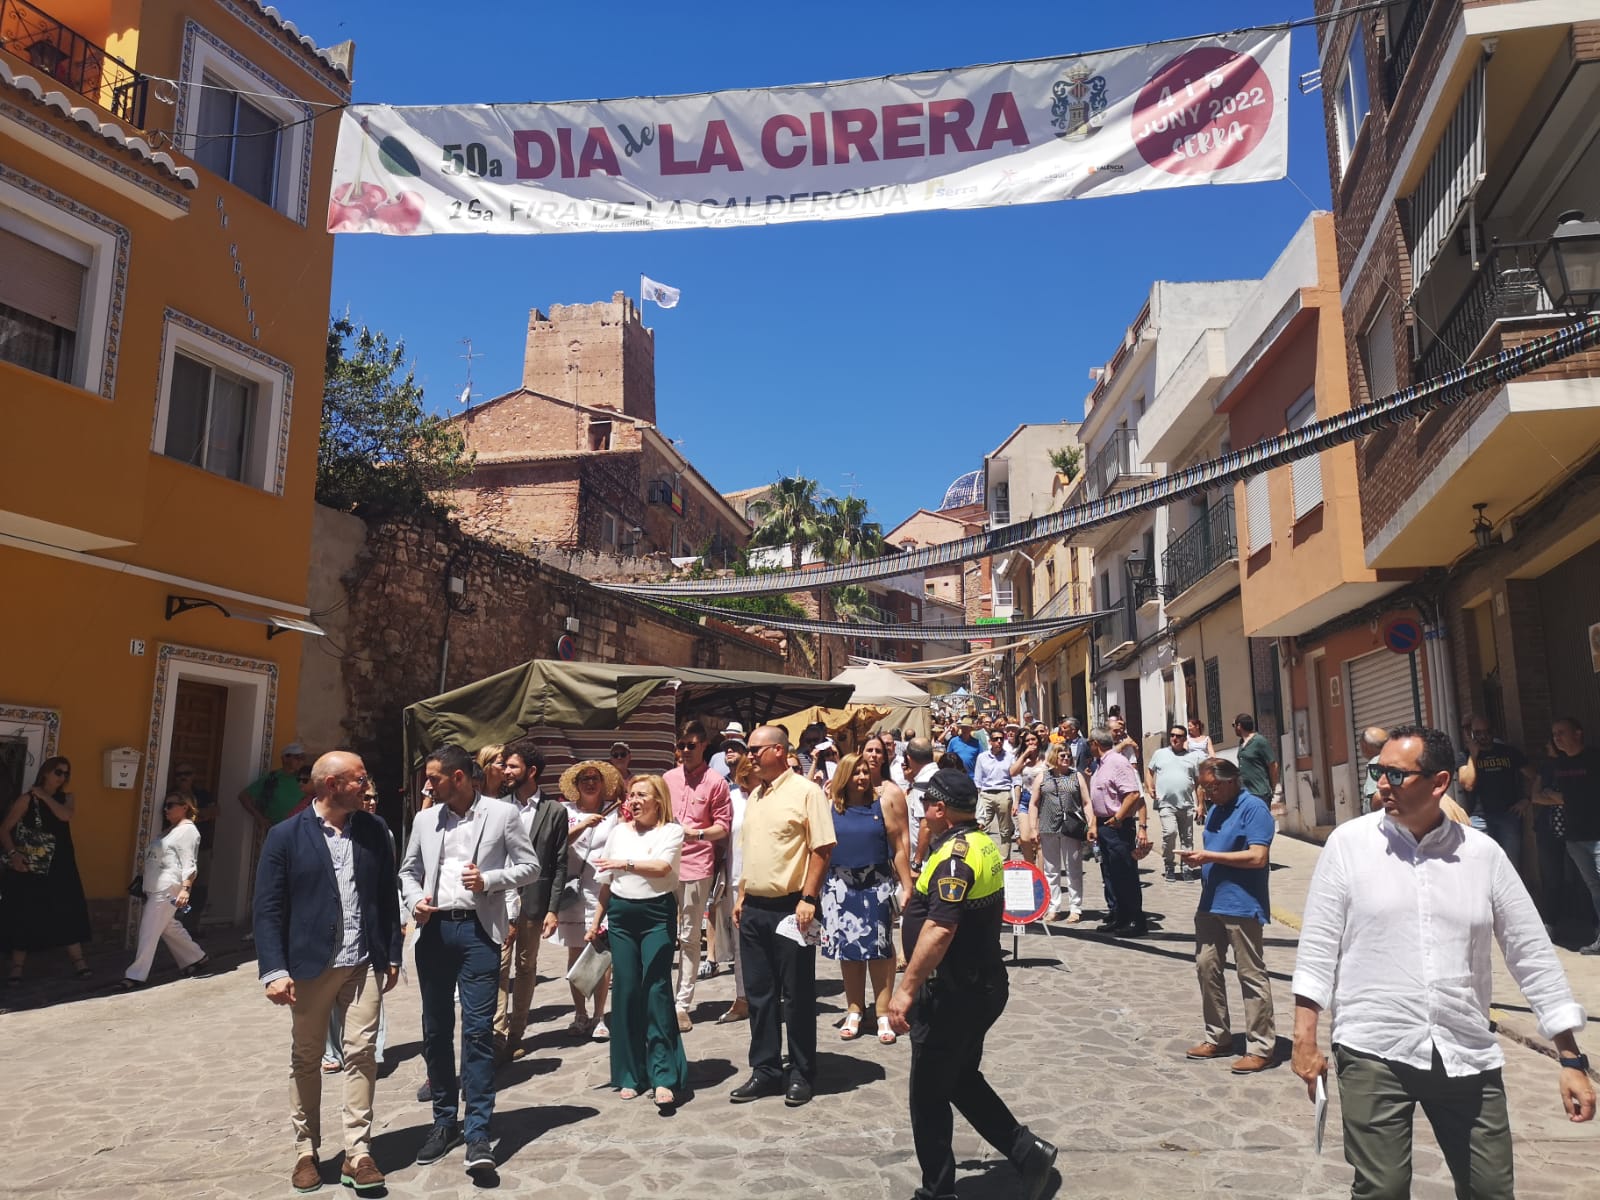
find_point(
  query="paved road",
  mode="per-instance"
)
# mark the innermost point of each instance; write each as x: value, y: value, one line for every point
x: 181, y: 1091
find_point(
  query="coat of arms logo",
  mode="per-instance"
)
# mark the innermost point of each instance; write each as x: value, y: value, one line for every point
x: 1079, y: 105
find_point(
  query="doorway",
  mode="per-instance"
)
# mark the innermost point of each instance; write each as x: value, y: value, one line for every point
x: 1323, y: 799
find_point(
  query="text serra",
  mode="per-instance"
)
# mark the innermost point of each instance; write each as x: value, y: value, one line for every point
x: 787, y: 140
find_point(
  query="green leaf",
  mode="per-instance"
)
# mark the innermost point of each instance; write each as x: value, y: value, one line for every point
x: 397, y: 160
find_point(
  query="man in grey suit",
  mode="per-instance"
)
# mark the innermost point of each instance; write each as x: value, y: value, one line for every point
x: 465, y: 854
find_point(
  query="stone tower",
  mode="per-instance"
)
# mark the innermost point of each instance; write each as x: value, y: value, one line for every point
x: 598, y: 354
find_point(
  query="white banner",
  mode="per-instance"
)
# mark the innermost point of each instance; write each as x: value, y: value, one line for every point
x: 1215, y: 110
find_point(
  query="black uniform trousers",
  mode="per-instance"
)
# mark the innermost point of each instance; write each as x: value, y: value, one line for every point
x: 780, y: 984
x: 949, y: 1021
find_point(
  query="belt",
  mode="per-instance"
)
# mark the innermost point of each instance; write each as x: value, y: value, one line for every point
x: 456, y: 914
x: 772, y: 903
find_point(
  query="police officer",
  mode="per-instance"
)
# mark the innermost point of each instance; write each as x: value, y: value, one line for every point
x: 954, y: 988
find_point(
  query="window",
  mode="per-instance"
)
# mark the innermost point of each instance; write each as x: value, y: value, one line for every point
x: 1378, y: 355
x: 1306, y: 472
x: 1258, y: 513
x: 59, y: 281
x: 1350, y: 98
x: 241, y: 124
x: 608, y: 532
x: 209, y: 414
x: 224, y: 407
x: 1105, y: 589
x: 599, y: 434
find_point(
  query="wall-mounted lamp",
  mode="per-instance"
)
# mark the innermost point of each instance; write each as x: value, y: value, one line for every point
x: 1569, y: 265
x: 1482, y: 531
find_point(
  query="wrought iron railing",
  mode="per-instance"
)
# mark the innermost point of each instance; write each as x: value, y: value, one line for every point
x: 1403, y: 44
x: 1507, y: 285
x: 71, y: 59
x: 1450, y: 181
x: 1113, y: 630
x: 1201, y: 548
x: 1118, y: 457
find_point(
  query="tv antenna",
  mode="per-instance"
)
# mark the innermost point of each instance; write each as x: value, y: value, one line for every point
x: 466, y: 392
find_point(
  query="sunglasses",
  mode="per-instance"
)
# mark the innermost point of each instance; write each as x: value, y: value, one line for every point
x: 689, y: 745
x: 621, y: 753
x: 61, y: 771
x: 1395, y: 776
x: 175, y: 804
x: 1177, y: 737
x: 589, y: 778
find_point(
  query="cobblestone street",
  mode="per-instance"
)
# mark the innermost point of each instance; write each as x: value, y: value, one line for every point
x: 181, y: 1090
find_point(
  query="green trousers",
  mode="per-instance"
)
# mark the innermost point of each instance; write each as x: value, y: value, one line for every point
x: 646, y: 1051
x: 1468, y: 1114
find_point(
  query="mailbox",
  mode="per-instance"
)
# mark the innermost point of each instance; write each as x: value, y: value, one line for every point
x: 122, y: 768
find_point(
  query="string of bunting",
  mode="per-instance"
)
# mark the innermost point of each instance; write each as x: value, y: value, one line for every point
x: 1358, y: 421
x: 936, y: 633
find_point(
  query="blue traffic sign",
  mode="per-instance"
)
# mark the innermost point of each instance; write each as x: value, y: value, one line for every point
x: 1403, y: 635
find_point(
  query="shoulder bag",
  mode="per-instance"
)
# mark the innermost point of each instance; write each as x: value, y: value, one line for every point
x: 36, y: 843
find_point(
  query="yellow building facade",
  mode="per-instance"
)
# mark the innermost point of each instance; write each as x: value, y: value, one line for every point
x: 164, y: 284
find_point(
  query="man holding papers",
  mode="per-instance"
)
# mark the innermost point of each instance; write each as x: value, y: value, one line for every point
x: 1398, y: 921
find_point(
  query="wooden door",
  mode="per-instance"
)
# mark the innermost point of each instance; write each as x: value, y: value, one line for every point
x: 198, y: 720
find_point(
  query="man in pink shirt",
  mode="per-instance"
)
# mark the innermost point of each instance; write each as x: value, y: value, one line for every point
x: 701, y: 804
x: 1118, y: 823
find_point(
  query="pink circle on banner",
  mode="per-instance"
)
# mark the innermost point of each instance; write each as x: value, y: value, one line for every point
x: 1205, y: 110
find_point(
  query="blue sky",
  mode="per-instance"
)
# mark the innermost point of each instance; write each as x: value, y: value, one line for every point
x: 886, y: 355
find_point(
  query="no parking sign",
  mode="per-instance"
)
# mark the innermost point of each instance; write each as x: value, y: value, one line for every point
x: 1027, y: 892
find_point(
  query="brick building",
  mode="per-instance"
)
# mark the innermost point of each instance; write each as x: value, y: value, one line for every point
x: 1458, y: 131
x: 573, y: 459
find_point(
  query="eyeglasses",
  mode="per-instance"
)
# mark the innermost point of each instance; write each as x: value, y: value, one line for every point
x: 620, y: 753
x: 754, y: 750
x: 689, y: 745
x: 1178, y: 737
x: 1395, y: 776
x: 175, y: 804
x: 590, y: 777
x: 1480, y: 735
x: 64, y: 772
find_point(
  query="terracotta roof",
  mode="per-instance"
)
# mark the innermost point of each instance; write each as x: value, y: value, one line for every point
x: 89, y: 119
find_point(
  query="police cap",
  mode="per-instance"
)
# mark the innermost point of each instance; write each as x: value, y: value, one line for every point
x: 954, y: 788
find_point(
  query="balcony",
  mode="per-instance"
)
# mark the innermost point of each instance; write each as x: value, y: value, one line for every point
x: 72, y: 60
x: 1116, y: 462
x: 1506, y: 286
x: 1069, y: 598
x: 1115, y: 636
x: 1403, y: 41
x: 1201, y: 563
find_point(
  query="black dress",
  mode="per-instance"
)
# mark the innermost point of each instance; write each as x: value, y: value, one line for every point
x: 41, y: 912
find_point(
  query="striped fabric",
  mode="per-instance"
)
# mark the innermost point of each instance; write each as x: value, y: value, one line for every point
x: 943, y: 633
x: 1360, y: 420
x: 650, y: 732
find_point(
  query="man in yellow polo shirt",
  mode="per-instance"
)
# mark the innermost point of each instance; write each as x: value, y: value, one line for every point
x: 787, y: 842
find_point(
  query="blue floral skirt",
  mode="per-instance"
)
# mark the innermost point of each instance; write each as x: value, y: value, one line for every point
x: 858, y: 913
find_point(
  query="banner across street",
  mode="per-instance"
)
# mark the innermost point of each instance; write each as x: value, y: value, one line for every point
x: 1175, y: 114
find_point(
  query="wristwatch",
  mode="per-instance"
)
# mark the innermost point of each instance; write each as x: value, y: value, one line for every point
x: 1580, y: 1063
x: 811, y: 900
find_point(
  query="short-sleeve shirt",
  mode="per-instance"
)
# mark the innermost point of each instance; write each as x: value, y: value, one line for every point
x: 948, y: 901
x: 1255, y: 765
x: 1176, y: 775
x: 698, y: 804
x: 784, y: 821
x: 1227, y: 891
x: 966, y: 749
x: 1499, y: 783
x: 1577, y: 778
x: 1113, y: 779
x: 277, y: 795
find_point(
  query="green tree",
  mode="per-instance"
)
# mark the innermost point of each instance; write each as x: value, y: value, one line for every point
x: 380, y: 451
x: 847, y: 532
x: 789, y: 516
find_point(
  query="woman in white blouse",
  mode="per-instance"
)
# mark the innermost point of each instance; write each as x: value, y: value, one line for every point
x: 169, y: 871
x: 638, y: 900
x: 592, y: 790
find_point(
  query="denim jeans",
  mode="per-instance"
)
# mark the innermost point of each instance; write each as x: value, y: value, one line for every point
x: 1506, y: 829
x: 1587, y: 857
x: 452, y: 956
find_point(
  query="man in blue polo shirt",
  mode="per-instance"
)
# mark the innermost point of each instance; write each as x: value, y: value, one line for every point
x: 1233, y: 908
x: 964, y: 746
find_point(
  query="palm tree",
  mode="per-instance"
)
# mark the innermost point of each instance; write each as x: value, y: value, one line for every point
x: 851, y: 534
x: 789, y: 516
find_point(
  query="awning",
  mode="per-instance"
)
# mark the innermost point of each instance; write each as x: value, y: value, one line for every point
x: 1051, y: 646
x: 276, y: 623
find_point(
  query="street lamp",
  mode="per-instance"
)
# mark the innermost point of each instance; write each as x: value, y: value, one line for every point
x: 1482, y: 531
x: 1569, y: 265
x: 1142, y: 578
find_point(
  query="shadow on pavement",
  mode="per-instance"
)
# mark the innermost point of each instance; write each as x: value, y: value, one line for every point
x: 994, y: 1179
x: 524, y: 1069
x: 521, y: 1126
x: 710, y: 1072
x: 840, y: 1073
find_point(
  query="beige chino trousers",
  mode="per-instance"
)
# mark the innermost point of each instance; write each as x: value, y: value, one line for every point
x: 358, y: 994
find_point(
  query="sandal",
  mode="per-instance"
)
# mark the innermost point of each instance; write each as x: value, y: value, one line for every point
x: 131, y: 985
x: 579, y: 1028
x: 850, y: 1027
x: 885, y: 1034
x: 664, y: 1098
x: 627, y: 1093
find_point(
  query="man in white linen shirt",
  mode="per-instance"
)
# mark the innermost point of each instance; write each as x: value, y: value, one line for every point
x: 992, y: 773
x: 1396, y: 938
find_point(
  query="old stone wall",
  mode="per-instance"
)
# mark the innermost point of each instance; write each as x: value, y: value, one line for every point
x: 403, y: 637
x: 598, y: 354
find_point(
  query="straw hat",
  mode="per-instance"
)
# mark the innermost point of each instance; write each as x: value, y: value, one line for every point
x: 612, y: 777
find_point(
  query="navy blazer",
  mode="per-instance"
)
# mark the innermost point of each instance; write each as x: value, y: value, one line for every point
x: 298, y: 918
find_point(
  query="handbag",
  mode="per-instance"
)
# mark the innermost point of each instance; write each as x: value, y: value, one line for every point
x: 136, y: 887
x: 36, y: 843
x: 591, y: 966
x: 1074, y: 824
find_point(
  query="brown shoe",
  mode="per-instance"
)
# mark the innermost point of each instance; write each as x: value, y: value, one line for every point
x: 1206, y: 1050
x: 739, y: 1010
x: 1251, y: 1063
x: 306, y: 1177
x: 684, y: 1024
x: 364, y: 1176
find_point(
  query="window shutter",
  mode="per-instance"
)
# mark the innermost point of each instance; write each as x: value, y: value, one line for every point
x: 1377, y: 354
x: 1258, y: 513
x: 40, y: 282
x: 1306, y: 473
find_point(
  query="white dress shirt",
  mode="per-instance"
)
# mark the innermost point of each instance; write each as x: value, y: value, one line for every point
x: 1396, y: 941
x: 460, y: 844
x: 663, y: 843
x: 992, y: 772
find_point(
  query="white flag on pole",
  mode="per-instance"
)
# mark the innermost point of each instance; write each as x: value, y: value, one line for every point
x: 649, y: 289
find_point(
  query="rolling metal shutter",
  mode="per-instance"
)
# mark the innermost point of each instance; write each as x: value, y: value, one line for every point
x: 1380, y: 694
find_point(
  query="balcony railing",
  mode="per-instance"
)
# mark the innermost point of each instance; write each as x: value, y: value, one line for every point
x: 1113, y: 630
x: 71, y: 59
x: 1069, y: 598
x: 1201, y: 548
x: 1118, y: 457
x: 1403, y: 42
x: 1506, y: 286
x: 1451, y: 180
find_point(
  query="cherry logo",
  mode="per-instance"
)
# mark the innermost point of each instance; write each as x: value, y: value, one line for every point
x: 368, y: 208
